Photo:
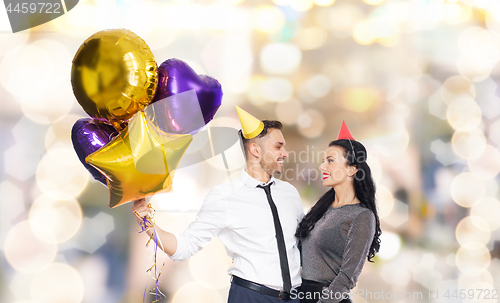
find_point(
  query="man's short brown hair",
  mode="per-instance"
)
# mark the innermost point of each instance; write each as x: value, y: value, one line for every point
x: 268, y: 125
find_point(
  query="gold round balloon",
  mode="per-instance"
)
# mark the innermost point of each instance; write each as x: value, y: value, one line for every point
x: 114, y: 75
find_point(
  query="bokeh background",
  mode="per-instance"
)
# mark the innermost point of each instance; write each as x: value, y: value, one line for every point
x: 415, y: 81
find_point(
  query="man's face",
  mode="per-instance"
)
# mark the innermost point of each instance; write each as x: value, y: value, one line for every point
x: 273, y: 152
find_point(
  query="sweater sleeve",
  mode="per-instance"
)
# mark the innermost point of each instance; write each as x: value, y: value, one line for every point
x: 359, y: 240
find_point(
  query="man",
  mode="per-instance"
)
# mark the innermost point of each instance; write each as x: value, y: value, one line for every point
x: 254, y: 216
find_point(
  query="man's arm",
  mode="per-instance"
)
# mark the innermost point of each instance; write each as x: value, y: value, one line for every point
x: 211, y: 218
x: 167, y: 241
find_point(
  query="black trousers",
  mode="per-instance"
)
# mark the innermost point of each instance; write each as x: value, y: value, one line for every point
x: 239, y: 294
x: 311, y: 292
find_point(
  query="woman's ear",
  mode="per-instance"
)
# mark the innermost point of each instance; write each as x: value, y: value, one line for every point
x: 352, y: 171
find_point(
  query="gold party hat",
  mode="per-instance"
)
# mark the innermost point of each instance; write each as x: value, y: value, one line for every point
x: 250, y: 125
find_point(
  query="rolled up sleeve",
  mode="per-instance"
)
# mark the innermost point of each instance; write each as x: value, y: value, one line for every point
x: 210, y: 220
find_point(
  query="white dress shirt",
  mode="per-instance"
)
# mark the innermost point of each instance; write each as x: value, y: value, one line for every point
x: 239, y: 214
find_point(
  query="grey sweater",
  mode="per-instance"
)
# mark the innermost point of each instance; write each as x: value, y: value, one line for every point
x: 337, y: 247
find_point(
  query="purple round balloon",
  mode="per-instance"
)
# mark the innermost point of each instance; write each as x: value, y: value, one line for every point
x: 176, y: 110
x: 89, y: 136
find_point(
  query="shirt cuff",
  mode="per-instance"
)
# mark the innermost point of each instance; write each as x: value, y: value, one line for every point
x: 177, y: 256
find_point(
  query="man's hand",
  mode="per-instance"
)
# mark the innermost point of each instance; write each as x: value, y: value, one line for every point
x: 140, y: 210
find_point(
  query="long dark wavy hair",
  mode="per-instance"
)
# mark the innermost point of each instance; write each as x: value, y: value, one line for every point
x: 364, y: 189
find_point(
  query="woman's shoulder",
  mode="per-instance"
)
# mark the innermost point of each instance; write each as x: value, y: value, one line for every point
x: 363, y: 214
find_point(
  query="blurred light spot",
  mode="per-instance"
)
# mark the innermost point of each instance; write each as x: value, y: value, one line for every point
x: 393, y: 143
x: 94, y: 271
x: 209, y: 266
x: 385, y: 201
x: 93, y: 231
x: 21, y: 70
x: 373, y: 2
x: 487, y: 165
x: 182, y: 197
x: 9, y: 41
x: 393, y: 273
x: 167, y: 34
x: 57, y: 283
x: 472, y: 68
x: 343, y: 18
x: 311, y: 38
x: 78, y: 24
x: 425, y: 273
x: 25, y: 252
x: 254, y: 92
x: 464, y: 114
x: 10, y: 209
x: 363, y: 33
x: 53, y: 220
x: 455, y: 87
x: 288, y: 112
x: 468, y: 144
x: 277, y: 89
x: 232, y: 2
x: 472, y: 260
x: 17, y: 285
x: 358, y: 99
x: 268, y: 19
x: 228, y: 58
x: 282, y: 2
x: 58, y: 134
x: 444, y: 153
x: 456, y: 13
x: 480, y: 44
x: 301, y: 5
x: 324, y: 2
x: 437, y: 108
x: 467, y: 280
x: 466, y: 189
x: 60, y: 175
x: 195, y: 292
x: 468, y: 235
x: 21, y: 159
x: 318, y: 86
x: 375, y: 167
x: 391, y: 247
x: 311, y: 123
x: 280, y: 58
x: 398, y: 215
x: 494, y: 133
x: 486, y: 210
x: 492, y: 187
x: 49, y: 106
x: 141, y: 18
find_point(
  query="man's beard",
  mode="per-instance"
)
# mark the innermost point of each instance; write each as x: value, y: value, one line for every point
x: 270, y: 167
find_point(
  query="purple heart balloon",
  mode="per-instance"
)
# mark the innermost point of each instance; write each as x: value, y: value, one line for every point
x: 184, y: 101
x: 89, y: 135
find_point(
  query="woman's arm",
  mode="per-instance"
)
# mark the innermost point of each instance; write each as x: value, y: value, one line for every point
x: 359, y: 240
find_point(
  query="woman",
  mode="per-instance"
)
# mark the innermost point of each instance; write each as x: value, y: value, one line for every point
x: 342, y: 229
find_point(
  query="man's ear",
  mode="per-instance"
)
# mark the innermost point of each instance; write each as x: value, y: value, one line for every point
x: 255, y: 150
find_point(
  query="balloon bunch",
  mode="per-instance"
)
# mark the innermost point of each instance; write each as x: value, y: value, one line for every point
x: 142, y: 117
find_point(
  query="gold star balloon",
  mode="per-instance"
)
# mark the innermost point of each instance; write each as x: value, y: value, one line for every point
x: 140, y: 161
x: 114, y: 75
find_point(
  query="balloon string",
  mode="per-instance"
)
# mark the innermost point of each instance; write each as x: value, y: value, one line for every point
x: 146, y: 225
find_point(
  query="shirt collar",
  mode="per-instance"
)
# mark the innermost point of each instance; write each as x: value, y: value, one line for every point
x: 252, y: 182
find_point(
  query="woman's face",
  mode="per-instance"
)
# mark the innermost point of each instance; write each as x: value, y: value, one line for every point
x: 334, y: 167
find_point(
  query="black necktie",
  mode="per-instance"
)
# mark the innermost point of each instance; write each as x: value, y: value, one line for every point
x: 285, y: 271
